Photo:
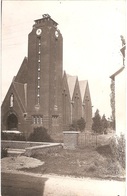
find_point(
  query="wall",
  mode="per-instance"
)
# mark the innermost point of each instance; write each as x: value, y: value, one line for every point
x: 120, y: 102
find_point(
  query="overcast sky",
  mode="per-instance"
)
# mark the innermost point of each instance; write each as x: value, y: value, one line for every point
x: 91, y: 41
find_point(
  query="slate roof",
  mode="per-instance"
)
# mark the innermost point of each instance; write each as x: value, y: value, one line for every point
x: 82, y: 86
x: 71, y: 80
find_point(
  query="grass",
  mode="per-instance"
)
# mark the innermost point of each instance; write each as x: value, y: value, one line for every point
x: 94, y: 162
x: 88, y: 162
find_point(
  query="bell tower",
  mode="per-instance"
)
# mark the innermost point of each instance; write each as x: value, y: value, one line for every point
x: 45, y: 68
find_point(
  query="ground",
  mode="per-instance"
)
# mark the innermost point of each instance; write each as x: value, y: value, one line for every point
x: 84, y: 171
x: 89, y: 161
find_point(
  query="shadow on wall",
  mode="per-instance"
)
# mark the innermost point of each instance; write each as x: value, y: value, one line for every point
x: 22, y: 184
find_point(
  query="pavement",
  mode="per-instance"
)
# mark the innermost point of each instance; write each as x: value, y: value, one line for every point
x: 18, y: 183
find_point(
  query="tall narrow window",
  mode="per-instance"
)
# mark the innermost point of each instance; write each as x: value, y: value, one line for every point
x: 11, y: 100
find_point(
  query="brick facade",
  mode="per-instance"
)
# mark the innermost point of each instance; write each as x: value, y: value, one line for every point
x: 42, y: 94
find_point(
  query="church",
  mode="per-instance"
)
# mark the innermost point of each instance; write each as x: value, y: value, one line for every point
x: 42, y: 94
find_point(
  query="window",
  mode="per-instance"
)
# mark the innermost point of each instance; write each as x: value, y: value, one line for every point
x: 11, y: 100
x: 33, y: 119
x: 55, y: 119
x: 37, y: 119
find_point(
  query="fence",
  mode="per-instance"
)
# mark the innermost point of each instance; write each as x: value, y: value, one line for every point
x: 87, y: 139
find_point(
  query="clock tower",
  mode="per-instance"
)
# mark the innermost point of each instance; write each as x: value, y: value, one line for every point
x: 45, y: 68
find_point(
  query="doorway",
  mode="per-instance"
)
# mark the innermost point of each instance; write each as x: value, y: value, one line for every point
x: 12, y: 122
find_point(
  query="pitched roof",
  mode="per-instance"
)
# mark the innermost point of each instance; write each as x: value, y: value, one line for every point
x: 82, y: 85
x: 71, y: 84
x: 22, y: 74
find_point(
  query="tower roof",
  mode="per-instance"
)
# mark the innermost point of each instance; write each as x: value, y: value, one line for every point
x: 45, y: 17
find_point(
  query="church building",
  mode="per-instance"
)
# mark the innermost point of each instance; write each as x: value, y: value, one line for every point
x: 41, y: 94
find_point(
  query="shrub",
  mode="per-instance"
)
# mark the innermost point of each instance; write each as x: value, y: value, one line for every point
x: 40, y: 135
x: 12, y: 136
x: 117, y: 145
x: 78, y: 125
x: 4, y: 152
x: 81, y: 124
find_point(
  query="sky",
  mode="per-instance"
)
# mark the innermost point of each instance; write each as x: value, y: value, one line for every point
x: 91, y: 41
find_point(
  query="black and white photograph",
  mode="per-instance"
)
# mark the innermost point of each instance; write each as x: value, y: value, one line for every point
x: 63, y: 98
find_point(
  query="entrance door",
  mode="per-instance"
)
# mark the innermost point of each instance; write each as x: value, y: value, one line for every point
x: 12, y: 122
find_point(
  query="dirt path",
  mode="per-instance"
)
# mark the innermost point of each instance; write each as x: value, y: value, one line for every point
x: 68, y: 186
x: 28, y: 184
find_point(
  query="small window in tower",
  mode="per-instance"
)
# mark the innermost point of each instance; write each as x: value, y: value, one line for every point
x: 38, y: 74
x: 39, y: 67
x: 38, y: 91
x: 38, y: 100
x: 39, y: 83
x: 39, y: 49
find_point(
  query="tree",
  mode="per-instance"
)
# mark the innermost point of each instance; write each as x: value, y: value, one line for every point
x: 81, y: 124
x: 40, y: 135
x: 97, y: 124
x: 78, y: 125
x: 104, y: 123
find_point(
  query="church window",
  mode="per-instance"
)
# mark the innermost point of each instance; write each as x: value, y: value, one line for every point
x: 34, y: 119
x: 37, y: 119
x: 41, y: 120
x: 11, y: 100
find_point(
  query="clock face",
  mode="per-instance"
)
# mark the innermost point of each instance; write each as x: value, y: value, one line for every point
x: 38, y: 32
x: 56, y: 33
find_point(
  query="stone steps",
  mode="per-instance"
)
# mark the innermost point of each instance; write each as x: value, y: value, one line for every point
x: 15, y: 152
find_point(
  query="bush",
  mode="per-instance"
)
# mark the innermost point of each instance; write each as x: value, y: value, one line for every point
x: 12, y: 136
x: 117, y: 145
x: 78, y: 125
x: 4, y: 152
x: 40, y: 135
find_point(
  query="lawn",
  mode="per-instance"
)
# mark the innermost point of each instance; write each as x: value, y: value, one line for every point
x: 95, y: 162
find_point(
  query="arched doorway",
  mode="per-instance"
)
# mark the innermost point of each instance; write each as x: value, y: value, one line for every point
x: 12, y: 122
